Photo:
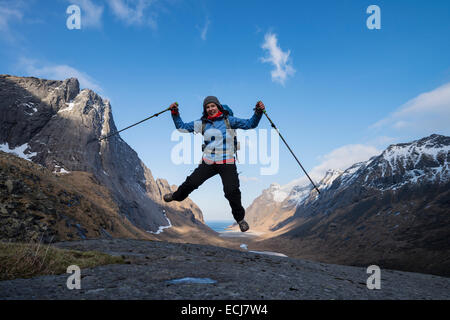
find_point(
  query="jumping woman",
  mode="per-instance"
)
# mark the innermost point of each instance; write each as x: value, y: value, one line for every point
x: 217, y: 126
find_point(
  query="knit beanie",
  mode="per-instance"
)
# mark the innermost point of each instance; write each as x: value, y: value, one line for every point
x: 212, y: 99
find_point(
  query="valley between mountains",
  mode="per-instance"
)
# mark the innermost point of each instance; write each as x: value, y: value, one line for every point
x: 60, y: 188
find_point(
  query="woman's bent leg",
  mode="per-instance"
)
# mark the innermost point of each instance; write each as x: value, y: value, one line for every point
x: 202, y: 173
x: 230, y: 181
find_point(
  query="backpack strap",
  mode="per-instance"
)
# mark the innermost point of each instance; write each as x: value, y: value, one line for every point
x: 233, y: 135
x: 203, y: 126
x: 236, y: 146
x: 227, y: 123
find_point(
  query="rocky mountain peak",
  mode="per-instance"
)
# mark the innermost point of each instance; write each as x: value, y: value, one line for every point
x: 413, y: 165
x: 330, y: 176
x: 56, y: 125
x: 276, y: 193
x: 428, y: 151
x: 422, y: 161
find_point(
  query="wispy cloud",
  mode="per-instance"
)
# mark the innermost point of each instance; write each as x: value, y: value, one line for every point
x: 91, y: 13
x: 427, y: 113
x: 10, y: 12
x: 7, y: 15
x: 204, y: 30
x: 381, y: 141
x: 278, y: 58
x: 134, y: 12
x: 58, y: 72
x: 338, y: 159
x: 344, y: 157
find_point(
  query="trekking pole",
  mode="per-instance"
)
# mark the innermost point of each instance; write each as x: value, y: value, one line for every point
x: 155, y: 115
x: 273, y: 126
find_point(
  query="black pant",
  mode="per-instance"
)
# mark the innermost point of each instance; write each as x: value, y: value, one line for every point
x: 228, y: 174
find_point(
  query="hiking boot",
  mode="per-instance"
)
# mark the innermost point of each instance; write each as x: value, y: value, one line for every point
x: 243, y: 225
x: 168, y: 197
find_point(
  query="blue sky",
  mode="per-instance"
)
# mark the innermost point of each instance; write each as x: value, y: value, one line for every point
x: 343, y: 92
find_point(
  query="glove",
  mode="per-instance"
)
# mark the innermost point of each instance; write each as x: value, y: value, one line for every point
x: 259, y: 108
x: 174, y: 109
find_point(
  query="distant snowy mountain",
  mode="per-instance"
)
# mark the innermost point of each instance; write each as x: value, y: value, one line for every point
x: 277, y: 193
x: 393, y: 209
x: 422, y: 161
x: 278, y: 203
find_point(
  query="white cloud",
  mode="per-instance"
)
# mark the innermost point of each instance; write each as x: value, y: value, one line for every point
x: 278, y: 58
x: 58, y: 72
x: 134, y: 12
x: 382, y: 141
x: 10, y: 12
x: 338, y: 159
x: 205, y: 29
x: 427, y: 113
x: 91, y: 14
x: 344, y: 157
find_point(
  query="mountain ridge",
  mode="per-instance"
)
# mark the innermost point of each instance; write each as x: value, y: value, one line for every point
x: 52, y: 123
x: 391, y: 210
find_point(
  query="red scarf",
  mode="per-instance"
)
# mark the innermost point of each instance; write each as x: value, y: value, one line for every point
x: 214, y: 117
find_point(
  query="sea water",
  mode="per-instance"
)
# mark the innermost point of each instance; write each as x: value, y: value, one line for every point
x: 219, y: 225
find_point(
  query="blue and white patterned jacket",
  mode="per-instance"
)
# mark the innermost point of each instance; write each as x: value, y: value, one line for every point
x: 219, y: 144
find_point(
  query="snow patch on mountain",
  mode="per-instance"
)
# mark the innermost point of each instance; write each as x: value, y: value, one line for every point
x: 70, y: 107
x: 277, y: 192
x: 21, y: 151
x: 161, y: 228
x: 298, y: 193
x: 350, y: 174
x: 329, y: 178
x: 30, y: 105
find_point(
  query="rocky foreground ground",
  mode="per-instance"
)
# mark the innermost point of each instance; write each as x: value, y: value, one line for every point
x: 151, y: 265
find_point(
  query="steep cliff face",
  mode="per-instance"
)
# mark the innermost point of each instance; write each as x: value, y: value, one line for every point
x: 54, y: 124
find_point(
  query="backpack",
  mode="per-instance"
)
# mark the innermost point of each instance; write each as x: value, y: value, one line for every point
x: 236, y: 144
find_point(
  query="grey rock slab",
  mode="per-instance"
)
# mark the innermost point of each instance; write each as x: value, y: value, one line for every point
x: 238, y: 275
